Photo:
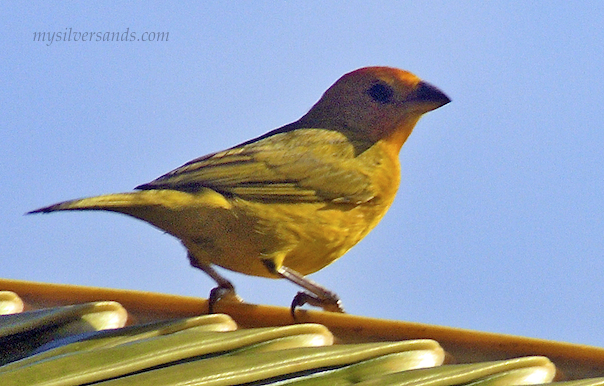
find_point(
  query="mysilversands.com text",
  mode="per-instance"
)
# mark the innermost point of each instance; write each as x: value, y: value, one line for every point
x: 69, y: 35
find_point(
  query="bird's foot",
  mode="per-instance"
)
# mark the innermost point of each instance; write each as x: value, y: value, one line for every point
x: 224, y: 293
x: 316, y: 294
x: 330, y: 302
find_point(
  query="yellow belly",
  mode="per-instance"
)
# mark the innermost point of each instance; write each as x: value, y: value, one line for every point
x: 304, y: 236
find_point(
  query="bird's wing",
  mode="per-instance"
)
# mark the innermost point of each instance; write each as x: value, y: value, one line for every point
x: 305, y: 165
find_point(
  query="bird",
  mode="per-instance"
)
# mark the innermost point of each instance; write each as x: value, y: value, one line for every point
x: 290, y: 202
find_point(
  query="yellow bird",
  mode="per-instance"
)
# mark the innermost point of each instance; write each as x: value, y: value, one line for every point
x: 290, y: 202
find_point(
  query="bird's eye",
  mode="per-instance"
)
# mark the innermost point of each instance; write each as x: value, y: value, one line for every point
x: 381, y: 93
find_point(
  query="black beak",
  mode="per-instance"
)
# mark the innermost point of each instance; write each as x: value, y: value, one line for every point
x: 426, y: 93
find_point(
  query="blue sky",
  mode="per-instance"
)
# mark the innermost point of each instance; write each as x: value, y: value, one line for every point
x: 499, y: 221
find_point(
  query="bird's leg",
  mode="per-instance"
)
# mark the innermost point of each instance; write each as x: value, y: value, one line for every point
x: 223, y: 291
x: 317, y: 295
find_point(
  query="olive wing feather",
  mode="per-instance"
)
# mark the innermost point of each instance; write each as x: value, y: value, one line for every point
x: 307, y: 165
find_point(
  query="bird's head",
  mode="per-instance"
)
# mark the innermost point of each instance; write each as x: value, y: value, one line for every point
x: 375, y: 103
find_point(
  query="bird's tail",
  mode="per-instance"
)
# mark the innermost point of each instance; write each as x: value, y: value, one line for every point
x: 173, y: 211
x: 134, y: 202
x: 118, y: 202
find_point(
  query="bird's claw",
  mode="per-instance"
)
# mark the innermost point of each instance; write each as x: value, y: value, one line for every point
x: 331, y: 303
x: 222, y: 293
